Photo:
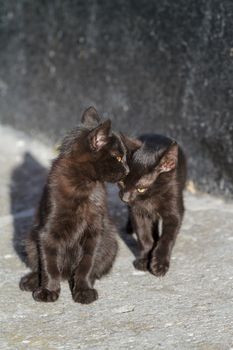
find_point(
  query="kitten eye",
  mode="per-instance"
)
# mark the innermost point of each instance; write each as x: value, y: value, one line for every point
x: 141, y: 190
x: 119, y: 158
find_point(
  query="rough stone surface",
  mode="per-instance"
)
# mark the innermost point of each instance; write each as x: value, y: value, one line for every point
x: 190, y: 308
x: 160, y: 65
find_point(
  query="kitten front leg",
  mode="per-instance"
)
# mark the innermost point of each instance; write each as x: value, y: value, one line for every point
x: 160, y: 260
x: 30, y: 281
x: 82, y: 285
x: 49, y: 288
x: 143, y: 228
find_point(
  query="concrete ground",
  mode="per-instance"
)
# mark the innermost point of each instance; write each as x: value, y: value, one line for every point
x: 190, y: 308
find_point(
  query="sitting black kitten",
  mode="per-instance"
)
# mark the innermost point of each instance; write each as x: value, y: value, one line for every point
x: 73, y: 237
x: 153, y: 190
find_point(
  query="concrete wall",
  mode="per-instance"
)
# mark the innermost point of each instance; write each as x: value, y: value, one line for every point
x: 163, y: 66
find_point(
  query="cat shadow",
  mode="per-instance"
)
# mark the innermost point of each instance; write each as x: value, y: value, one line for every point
x: 119, y: 213
x: 27, y: 181
x: 130, y: 241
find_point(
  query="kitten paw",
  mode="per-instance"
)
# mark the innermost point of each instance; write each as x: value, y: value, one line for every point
x: 29, y: 282
x: 141, y: 264
x: 85, y: 296
x: 159, y: 266
x: 45, y: 295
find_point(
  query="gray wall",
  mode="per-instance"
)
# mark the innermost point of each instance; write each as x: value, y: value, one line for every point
x: 163, y: 66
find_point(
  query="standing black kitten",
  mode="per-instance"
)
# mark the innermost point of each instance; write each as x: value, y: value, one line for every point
x: 73, y: 237
x: 153, y: 190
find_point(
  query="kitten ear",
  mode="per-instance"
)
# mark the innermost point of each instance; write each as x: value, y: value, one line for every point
x: 131, y: 144
x: 100, y: 136
x: 169, y: 160
x: 90, y: 117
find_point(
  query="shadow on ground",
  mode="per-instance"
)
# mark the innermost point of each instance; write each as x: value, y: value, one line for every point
x: 129, y: 240
x: 27, y: 181
x: 119, y: 213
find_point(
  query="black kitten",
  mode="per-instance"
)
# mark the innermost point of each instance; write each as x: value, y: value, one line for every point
x: 73, y: 237
x: 153, y: 190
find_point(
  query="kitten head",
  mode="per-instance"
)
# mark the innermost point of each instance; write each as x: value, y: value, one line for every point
x: 146, y: 166
x: 95, y: 144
